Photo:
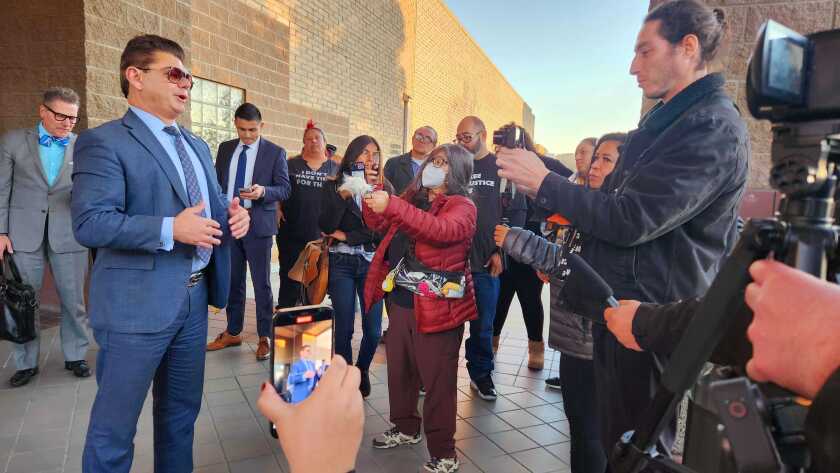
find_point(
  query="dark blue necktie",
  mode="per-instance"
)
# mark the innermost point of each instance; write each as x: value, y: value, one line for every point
x: 239, y: 182
x: 193, y: 190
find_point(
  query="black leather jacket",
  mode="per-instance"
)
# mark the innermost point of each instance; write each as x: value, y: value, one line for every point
x: 568, y: 332
x: 657, y: 230
x: 659, y: 227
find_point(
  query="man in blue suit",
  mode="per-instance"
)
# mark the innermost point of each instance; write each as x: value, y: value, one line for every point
x: 145, y: 196
x: 254, y: 163
x: 303, y: 377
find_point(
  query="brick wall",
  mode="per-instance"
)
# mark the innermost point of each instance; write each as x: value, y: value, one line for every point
x: 108, y: 25
x: 744, y: 17
x: 454, y: 78
x: 246, y: 44
x: 346, y: 64
x: 41, y: 45
x: 345, y: 60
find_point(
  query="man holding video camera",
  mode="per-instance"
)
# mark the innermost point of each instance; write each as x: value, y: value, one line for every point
x: 660, y: 225
x: 803, y: 356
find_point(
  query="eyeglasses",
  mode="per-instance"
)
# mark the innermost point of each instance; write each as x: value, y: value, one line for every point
x: 423, y: 138
x: 439, y: 162
x: 60, y: 117
x: 174, y: 74
x: 466, y: 137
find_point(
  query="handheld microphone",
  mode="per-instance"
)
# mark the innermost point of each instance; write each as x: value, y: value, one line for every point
x: 600, y: 289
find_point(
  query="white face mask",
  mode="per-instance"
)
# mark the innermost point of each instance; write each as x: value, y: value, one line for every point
x: 432, y: 177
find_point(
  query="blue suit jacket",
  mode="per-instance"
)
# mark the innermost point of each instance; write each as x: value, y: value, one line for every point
x: 299, y: 385
x: 124, y: 184
x: 271, y: 172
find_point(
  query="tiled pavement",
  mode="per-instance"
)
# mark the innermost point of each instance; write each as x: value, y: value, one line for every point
x: 42, y: 425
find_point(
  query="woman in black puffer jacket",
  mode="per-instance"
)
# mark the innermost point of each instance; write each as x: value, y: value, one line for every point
x: 569, y: 333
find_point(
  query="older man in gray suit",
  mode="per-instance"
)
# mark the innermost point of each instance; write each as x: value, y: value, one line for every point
x: 35, y: 168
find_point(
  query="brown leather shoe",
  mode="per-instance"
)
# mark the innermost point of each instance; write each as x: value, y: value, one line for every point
x: 224, y: 340
x: 263, y: 349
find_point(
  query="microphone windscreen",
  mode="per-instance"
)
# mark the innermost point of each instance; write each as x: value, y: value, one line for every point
x: 600, y: 290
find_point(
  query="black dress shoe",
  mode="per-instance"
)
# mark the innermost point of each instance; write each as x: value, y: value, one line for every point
x: 21, y: 377
x: 79, y: 368
x: 364, y: 384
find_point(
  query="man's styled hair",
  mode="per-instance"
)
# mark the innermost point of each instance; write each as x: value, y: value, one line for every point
x: 248, y: 111
x: 65, y: 94
x: 139, y: 53
x: 680, y: 18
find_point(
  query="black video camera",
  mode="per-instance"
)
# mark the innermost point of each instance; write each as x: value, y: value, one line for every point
x: 509, y: 136
x: 793, y: 78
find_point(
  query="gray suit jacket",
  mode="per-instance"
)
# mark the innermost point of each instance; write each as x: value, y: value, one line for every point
x: 27, y: 203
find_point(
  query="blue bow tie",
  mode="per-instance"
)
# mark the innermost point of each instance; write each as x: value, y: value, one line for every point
x: 47, y: 140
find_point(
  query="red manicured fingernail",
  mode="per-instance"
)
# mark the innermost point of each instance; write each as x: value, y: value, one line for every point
x: 264, y: 384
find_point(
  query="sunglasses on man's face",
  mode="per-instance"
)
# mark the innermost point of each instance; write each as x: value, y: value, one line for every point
x: 465, y: 137
x: 175, y: 75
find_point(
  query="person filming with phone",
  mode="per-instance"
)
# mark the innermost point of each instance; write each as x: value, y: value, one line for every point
x: 351, y: 250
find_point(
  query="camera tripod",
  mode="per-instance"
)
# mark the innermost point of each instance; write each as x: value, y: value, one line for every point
x: 758, y: 428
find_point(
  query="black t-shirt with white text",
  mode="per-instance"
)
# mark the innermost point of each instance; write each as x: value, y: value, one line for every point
x: 486, y: 193
x: 302, y: 209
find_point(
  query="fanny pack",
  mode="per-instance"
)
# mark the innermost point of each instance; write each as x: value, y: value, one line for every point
x: 418, y: 278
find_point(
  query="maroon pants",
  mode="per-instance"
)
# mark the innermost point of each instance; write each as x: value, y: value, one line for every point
x: 416, y: 358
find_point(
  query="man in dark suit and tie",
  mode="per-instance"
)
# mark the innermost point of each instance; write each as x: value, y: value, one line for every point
x: 145, y: 195
x: 400, y: 170
x: 259, y: 165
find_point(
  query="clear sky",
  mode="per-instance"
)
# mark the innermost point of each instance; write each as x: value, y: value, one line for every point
x: 569, y: 59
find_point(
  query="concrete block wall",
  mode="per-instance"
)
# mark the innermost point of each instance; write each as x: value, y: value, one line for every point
x: 744, y: 18
x: 455, y: 78
x: 41, y: 45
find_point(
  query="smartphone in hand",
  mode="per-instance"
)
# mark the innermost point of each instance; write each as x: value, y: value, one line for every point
x: 301, y: 349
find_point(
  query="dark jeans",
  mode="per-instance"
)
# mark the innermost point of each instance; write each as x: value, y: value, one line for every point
x: 577, y: 380
x: 289, y: 293
x: 522, y: 280
x: 430, y: 360
x: 346, y: 282
x: 479, y: 347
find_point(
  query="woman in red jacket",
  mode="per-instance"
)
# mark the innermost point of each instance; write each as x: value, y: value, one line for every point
x: 430, y: 228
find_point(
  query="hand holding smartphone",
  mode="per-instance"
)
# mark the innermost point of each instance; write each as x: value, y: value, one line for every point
x: 301, y: 350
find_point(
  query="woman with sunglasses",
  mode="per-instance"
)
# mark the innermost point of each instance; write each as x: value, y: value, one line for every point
x: 429, y: 229
x: 351, y: 252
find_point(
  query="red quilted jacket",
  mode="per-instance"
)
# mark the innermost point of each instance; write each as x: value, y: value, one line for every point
x: 443, y: 235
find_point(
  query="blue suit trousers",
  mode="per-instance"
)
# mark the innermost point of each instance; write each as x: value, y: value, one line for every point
x: 128, y: 363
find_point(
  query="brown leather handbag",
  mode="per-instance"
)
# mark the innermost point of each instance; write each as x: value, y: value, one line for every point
x: 312, y: 271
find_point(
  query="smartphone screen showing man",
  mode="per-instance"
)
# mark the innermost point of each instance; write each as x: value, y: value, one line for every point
x: 302, y: 348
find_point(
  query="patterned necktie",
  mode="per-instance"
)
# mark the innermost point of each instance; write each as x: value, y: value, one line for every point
x: 193, y: 190
x: 47, y: 140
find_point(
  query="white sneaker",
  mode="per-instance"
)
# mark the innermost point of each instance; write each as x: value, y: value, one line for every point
x: 442, y: 465
x: 394, y: 438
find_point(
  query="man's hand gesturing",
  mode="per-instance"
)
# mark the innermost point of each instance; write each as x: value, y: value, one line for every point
x: 192, y: 228
x: 239, y: 220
